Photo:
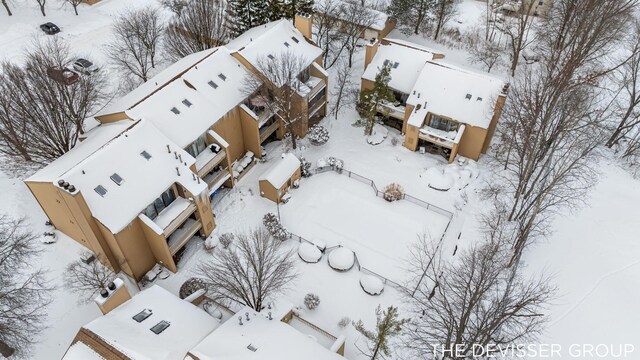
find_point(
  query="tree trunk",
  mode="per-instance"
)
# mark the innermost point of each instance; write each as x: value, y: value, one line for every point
x: 5, y: 349
x: 6, y: 6
x: 75, y: 9
x: 42, y: 10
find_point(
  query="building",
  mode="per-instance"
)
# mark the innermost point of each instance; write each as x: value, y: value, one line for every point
x: 156, y: 325
x: 380, y: 27
x: 276, y: 181
x: 439, y: 108
x: 533, y: 7
x: 137, y: 189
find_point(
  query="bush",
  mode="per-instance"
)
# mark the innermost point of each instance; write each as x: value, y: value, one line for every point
x: 395, y: 141
x: 335, y: 162
x: 190, y: 286
x: 305, y: 167
x: 318, y: 135
x: 211, y: 242
x: 226, y: 239
x: 393, y: 192
x: 311, y: 301
x: 344, y: 322
x: 274, y: 227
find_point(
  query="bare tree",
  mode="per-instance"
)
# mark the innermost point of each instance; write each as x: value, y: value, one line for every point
x: 175, y: 6
x: 472, y: 300
x: 344, y: 92
x: 443, y: 11
x: 485, y: 51
x: 327, y: 31
x: 279, y: 80
x: 137, y: 34
x: 253, y: 270
x: 5, y: 3
x: 412, y: 15
x: 74, y: 4
x: 198, y: 26
x: 358, y: 17
x: 41, y: 5
x: 87, y: 279
x: 40, y: 118
x: 553, y: 119
x: 388, y: 325
x: 517, y: 29
x: 24, y: 294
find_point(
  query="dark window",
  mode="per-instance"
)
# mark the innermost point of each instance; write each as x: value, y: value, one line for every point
x: 401, y: 97
x: 286, y: 44
x: 160, y: 327
x: 142, y: 315
x: 317, y: 98
x: 439, y: 123
x: 165, y: 199
x: 197, y: 146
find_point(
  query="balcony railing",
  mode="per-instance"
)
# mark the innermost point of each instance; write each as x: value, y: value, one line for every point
x: 440, y: 137
x: 316, y: 85
x: 182, y: 235
x: 313, y: 108
x: 396, y: 111
x: 216, y: 179
x: 208, y: 160
x: 266, y: 131
x: 173, y: 215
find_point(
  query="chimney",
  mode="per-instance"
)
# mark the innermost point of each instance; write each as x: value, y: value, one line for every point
x: 113, y: 296
x: 303, y: 24
x: 370, y: 51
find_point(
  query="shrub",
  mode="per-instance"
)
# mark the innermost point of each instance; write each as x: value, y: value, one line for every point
x: 274, y: 227
x: 190, y: 286
x: 318, y: 135
x: 305, y: 167
x: 394, y: 141
x: 393, y: 192
x: 226, y: 239
x: 344, y: 322
x: 211, y: 242
x: 311, y: 301
x: 335, y: 162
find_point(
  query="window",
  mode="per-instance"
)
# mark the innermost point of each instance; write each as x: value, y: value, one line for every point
x: 401, y: 97
x: 222, y: 76
x: 145, y: 155
x: 197, y: 146
x: 212, y: 84
x: 175, y: 110
x: 165, y: 199
x: 117, y: 179
x: 304, y: 75
x: 439, y: 123
x: 142, y: 315
x: 101, y: 190
x: 160, y: 327
x: 187, y: 103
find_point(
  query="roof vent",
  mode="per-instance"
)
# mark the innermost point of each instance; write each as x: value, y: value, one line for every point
x: 60, y: 182
x: 160, y: 327
x: 479, y: 98
x: 72, y: 189
x: 252, y: 348
x: 145, y: 154
x: 212, y: 84
x: 100, y: 190
x: 142, y: 315
x: 187, y: 103
x: 117, y: 179
x: 396, y: 64
x: 468, y: 97
x: 175, y: 110
x: 222, y: 76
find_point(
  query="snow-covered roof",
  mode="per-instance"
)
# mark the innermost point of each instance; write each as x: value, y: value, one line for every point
x: 188, y: 326
x: 409, y: 60
x: 143, y: 180
x: 274, y: 38
x: 165, y: 76
x: 80, y: 351
x: 379, y: 21
x: 99, y: 136
x: 279, y: 173
x: 260, y: 339
x: 462, y: 95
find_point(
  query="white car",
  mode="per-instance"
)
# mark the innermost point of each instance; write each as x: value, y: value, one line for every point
x: 85, y: 66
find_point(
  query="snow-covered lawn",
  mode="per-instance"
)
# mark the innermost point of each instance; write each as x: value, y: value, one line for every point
x: 332, y: 209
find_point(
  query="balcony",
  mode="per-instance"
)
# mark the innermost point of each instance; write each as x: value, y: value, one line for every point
x: 257, y: 107
x: 447, y: 139
x: 207, y: 160
x: 182, y: 235
x: 317, y: 105
x: 217, y: 178
x: 316, y: 85
x: 267, y: 129
x: 174, y: 215
x: 393, y: 110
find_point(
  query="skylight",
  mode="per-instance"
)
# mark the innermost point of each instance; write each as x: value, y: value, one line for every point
x: 395, y: 65
x: 145, y: 154
x: 100, y: 190
x: 295, y: 39
x: 175, y: 110
x: 117, y: 179
x: 468, y: 97
x: 270, y: 56
x: 479, y: 98
x: 187, y: 103
x: 386, y: 62
x: 160, y: 327
x: 212, y: 84
x: 286, y: 44
x: 222, y: 76
x: 142, y: 315
x: 252, y: 348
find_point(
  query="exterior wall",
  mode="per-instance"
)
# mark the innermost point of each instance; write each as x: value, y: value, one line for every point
x: 158, y: 245
x: 370, y: 52
x: 250, y: 133
x: 472, y: 141
x: 268, y: 191
x: 494, y: 123
x: 411, y: 138
x: 367, y: 85
x: 304, y: 25
x: 98, y: 345
x: 388, y: 27
x: 133, y: 248
x: 109, y: 118
x: 230, y: 128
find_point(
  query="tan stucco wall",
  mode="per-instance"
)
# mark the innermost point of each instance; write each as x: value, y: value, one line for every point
x: 250, y: 133
x: 270, y: 192
x: 230, y: 128
x: 132, y: 248
x: 497, y: 112
x: 112, y: 117
x: 472, y: 142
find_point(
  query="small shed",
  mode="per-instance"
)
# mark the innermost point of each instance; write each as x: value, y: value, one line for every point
x: 280, y: 177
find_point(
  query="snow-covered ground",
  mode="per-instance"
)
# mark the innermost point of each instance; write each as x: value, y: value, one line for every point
x: 593, y: 252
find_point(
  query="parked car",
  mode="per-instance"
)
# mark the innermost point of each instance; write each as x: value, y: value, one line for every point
x: 50, y: 28
x: 63, y: 76
x: 84, y: 66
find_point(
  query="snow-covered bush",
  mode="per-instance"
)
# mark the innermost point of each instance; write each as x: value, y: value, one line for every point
x: 344, y: 322
x: 190, y: 286
x: 341, y: 259
x: 372, y: 285
x: 274, y: 227
x: 305, y: 167
x: 393, y: 192
x: 318, y: 135
x: 226, y: 239
x: 309, y: 253
x: 378, y: 135
x: 211, y: 242
x: 311, y: 301
x: 335, y: 162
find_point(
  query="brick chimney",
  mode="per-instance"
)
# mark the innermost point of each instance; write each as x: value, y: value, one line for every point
x: 303, y: 24
x: 370, y: 51
x: 113, y: 296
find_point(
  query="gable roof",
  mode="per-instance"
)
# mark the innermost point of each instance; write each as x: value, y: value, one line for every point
x: 279, y: 173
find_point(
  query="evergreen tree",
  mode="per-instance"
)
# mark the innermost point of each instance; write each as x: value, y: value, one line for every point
x: 242, y: 15
x: 412, y: 15
x: 371, y: 98
x: 288, y: 9
x: 388, y: 325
